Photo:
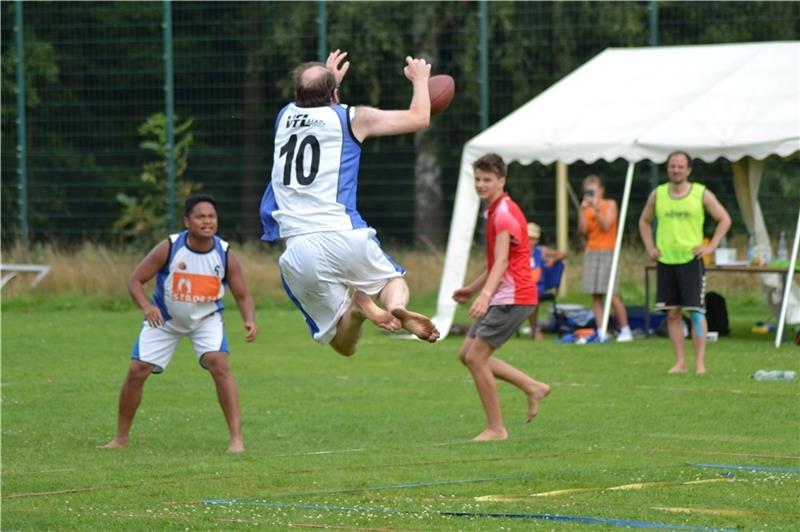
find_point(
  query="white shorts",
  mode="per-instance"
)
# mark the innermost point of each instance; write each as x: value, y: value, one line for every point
x: 319, y: 269
x: 156, y: 345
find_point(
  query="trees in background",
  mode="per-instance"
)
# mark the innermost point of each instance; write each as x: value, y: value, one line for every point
x: 94, y: 72
x: 144, y: 209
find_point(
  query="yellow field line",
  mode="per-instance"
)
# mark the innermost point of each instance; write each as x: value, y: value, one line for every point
x: 722, y: 511
x: 723, y: 453
x: 623, y: 487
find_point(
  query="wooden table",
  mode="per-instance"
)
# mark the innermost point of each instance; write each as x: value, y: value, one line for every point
x: 708, y: 269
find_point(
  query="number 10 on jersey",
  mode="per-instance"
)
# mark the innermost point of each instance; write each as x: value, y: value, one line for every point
x: 297, y: 158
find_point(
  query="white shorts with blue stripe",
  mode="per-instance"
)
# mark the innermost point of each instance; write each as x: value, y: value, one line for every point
x: 156, y: 345
x: 319, y: 270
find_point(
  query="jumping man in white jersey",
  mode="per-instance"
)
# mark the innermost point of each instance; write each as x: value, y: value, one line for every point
x: 191, y: 269
x: 311, y: 202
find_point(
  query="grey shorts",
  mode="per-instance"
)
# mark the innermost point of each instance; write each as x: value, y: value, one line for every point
x: 500, y: 323
x: 596, y: 271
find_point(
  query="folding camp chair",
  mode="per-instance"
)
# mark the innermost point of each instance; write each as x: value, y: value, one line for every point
x: 548, y: 287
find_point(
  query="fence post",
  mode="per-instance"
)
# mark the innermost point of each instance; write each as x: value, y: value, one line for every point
x: 169, y: 103
x: 653, y: 42
x: 322, y: 31
x: 562, y: 215
x: 653, y: 22
x: 22, y: 142
x: 483, y: 17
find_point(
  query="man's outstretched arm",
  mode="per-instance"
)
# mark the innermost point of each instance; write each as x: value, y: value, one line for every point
x: 372, y: 122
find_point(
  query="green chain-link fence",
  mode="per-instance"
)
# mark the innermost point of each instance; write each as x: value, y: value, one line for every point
x: 94, y: 73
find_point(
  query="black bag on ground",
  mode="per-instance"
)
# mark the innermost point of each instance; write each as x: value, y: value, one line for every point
x: 717, y: 314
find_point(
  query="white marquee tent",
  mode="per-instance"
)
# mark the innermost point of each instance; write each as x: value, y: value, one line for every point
x: 740, y: 102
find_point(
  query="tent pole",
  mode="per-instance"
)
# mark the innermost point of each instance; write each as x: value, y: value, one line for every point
x: 562, y: 226
x: 787, y: 284
x: 462, y: 229
x: 626, y: 196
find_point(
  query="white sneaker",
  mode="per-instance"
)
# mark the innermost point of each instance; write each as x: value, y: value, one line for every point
x: 625, y: 335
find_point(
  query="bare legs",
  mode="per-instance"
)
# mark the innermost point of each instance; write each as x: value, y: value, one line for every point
x: 131, y: 395
x: 348, y: 330
x: 394, y: 297
x: 619, y: 310
x: 617, y: 306
x: 536, y: 334
x: 699, y: 344
x: 476, y: 354
x: 228, y: 396
x: 394, y: 315
x: 675, y: 328
x: 129, y: 398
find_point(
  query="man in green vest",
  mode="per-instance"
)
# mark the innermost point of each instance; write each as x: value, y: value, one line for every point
x: 680, y: 206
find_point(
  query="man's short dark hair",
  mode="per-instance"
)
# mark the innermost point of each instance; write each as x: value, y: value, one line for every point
x: 314, y: 92
x: 191, y: 201
x: 681, y: 152
x: 491, y: 162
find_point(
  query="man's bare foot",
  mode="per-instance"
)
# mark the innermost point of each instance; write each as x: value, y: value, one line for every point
x: 700, y: 369
x: 491, y: 435
x: 369, y: 310
x: 537, y: 392
x: 116, y: 443
x: 417, y: 324
x: 677, y: 368
x: 236, y: 445
x: 537, y: 335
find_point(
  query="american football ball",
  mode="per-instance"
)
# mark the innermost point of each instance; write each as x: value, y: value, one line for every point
x: 442, y: 89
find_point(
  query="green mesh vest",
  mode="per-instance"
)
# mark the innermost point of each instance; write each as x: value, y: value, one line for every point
x: 680, y: 224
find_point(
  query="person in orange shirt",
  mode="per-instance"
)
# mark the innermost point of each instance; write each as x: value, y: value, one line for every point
x: 597, y: 219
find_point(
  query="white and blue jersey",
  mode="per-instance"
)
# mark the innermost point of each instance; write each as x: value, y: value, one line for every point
x: 191, y: 284
x: 314, y: 173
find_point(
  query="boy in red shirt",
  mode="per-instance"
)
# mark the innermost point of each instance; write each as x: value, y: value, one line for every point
x: 507, y: 296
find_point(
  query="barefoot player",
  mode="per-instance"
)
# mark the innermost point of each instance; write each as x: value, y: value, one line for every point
x: 506, y: 297
x: 311, y: 202
x: 191, y: 269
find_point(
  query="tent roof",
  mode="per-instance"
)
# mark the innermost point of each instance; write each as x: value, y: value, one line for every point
x: 713, y: 101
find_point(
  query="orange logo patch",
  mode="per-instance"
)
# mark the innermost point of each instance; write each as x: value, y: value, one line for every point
x: 194, y: 288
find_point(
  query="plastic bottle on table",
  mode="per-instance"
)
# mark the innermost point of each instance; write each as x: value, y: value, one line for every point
x: 774, y: 375
x: 783, y: 252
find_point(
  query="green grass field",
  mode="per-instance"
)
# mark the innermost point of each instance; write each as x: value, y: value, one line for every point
x: 380, y: 441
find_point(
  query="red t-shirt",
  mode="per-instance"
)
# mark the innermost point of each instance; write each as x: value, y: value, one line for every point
x: 517, y: 286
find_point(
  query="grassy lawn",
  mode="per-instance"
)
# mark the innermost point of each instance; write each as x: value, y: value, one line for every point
x: 380, y: 441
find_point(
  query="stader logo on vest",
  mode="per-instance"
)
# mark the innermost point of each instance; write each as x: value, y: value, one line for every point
x: 193, y: 288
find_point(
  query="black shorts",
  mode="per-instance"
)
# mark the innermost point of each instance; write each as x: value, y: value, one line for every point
x: 681, y: 286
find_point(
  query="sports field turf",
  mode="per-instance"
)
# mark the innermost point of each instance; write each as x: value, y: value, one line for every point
x: 380, y: 441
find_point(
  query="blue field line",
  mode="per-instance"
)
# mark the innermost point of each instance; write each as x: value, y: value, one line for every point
x: 749, y: 467
x: 544, y: 517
